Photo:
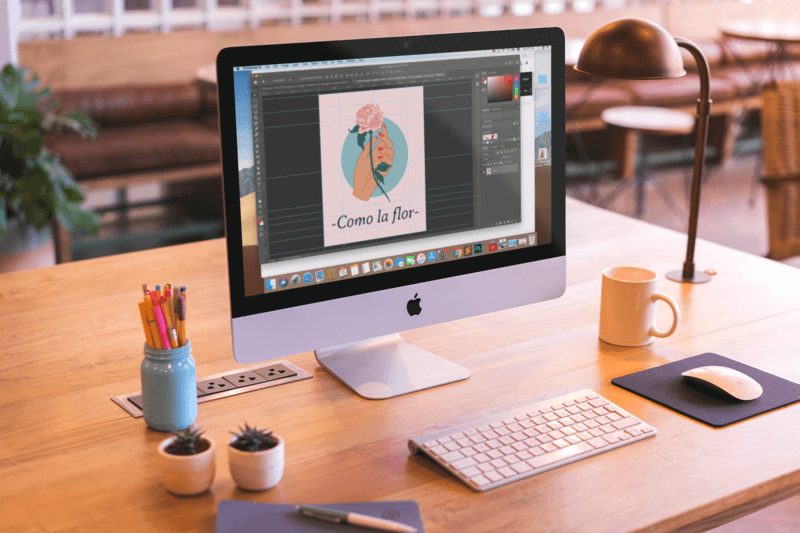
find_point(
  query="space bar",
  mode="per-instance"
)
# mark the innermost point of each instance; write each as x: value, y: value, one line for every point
x: 560, y: 455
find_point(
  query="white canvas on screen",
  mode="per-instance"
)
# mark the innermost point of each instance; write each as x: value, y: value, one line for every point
x: 399, y: 209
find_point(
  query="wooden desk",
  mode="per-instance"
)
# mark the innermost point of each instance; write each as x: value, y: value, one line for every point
x: 72, y: 460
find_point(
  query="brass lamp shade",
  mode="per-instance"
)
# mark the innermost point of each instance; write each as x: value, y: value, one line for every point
x: 631, y: 49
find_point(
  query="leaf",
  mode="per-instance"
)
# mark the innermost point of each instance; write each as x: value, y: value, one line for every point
x: 383, y: 167
x: 71, y: 216
x: 378, y: 175
x: 361, y: 137
x: 355, y: 129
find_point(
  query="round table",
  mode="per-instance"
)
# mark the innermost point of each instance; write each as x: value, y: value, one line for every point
x: 634, y: 121
x: 780, y: 33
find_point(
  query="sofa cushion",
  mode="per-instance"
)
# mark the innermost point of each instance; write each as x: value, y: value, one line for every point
x: 677, y: 91
x: 137, y: 148
x: 135, y: 103
x: 583, y: 104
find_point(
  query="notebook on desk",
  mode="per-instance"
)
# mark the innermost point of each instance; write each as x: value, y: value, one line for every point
x: 250, y: 517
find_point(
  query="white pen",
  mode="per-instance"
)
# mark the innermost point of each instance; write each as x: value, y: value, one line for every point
x: 354, y: 519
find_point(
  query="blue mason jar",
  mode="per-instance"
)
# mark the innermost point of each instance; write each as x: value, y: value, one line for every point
x: 169, y: 388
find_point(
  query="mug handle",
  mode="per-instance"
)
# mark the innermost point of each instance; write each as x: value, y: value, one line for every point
x: 654, y: 331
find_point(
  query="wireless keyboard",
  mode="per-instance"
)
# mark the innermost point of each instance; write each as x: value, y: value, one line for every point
x: 529, y: 440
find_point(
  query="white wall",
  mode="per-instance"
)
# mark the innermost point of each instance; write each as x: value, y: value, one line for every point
x: 9, y: 24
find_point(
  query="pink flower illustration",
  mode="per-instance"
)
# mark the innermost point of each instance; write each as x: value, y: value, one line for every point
x: 369, y: 118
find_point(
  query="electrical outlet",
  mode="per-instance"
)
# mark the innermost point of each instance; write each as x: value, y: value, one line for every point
x: 213, y: 386
x: 276, y: 371
x: 243, y: 378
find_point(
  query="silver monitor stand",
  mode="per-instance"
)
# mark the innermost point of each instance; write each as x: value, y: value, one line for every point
x: 388, y: 366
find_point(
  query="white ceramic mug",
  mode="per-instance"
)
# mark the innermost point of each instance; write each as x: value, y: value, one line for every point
x: 628, y: 307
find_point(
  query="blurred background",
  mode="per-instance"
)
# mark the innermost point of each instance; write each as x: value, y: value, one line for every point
x: 143, y: 71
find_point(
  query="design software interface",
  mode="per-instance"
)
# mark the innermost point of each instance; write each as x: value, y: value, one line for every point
x: 361, y: 166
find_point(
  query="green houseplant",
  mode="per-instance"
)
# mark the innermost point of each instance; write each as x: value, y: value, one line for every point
x: 35, y: 187
x: 256, y: 458
x: 187, y: 461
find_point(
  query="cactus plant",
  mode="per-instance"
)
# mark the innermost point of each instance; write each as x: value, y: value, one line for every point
x: 252, y: 439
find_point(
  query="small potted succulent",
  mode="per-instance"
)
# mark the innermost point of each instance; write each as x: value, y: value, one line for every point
x: 187, y: 461
x: 256, y: 458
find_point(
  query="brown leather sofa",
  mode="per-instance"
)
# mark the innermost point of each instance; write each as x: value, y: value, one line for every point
x: 141, y: 130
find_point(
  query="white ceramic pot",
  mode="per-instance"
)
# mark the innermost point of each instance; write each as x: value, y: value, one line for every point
x: 186, y: 475
x: 257, y: 470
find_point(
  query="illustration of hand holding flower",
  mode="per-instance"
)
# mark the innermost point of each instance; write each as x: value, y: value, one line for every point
x: 374, y: 163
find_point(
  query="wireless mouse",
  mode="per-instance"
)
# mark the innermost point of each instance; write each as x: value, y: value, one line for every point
x: 730, y: 381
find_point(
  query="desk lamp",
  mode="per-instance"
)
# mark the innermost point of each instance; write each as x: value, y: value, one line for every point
x: 638, y: 49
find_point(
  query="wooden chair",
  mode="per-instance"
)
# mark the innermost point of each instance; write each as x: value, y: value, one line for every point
x: 780, y: 130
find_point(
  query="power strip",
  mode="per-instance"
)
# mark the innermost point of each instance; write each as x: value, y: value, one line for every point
x: 228, y: 384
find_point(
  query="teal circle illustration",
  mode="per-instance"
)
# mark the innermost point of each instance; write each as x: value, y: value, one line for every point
x: 351, y: 151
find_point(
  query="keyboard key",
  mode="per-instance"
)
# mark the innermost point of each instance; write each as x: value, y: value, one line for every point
x: 611, y: 439
x: 481, y: 448
x: 464, y: 442
x: 562, y: 413
x: 549, y: 447
x: 519, y: 446
x: 569, y: 402
x: 471, y: 432
x: 614, y: 417
x: 591, y: 424
x: 532, y: 443
x: 521, y: 468
x: 579, y: 427
x: 506, y: 440
x: 573, y: 439
x: 494, y: 454
x: 439, y: 450
x: 445, y: 440
x: 568, y: 431
x: 578, y: 418
x: 634, y: 432
x: 539, y: 420
x: 480, y: 480
x: 507, y: 450
x: 542, y: 429
x: 589, y: 414
x: 489, y: 435
x: 514, y: 428
x: 496, y: 425
x: 556, y: 406
x: 556, y: 434
x: 452, y: 446
x: 555, y: 425
x: 509, y: 420
x: 463, y: 463
x: 549, y: 417
x: 498, y: 463
x: 537, y: 451
x: 625, y: 423
x: 494, y: 444
x: 560, y: 455
x: 608, y: 428
x: 468, y: 452
x: 602, y: 420
x: 544, y: 439
x: 511, y: 459
x: 600, y: 411
x: 520, y: 418
x: 506, y: 471
x: 560, y: 443
x: 477, y: 439
x: 573, y: 410
x: 567, y: 421
x: 592, y: 396
x: 431, y: 443
x: 597, y: 432
x: 598, y: 402
x: 621, y: 412
x: 471, y: 471
x: 494, y: 476
x: 481, y: 457
x: 524, y: 455
x: 519, y: 436
x: 456, y: 436
x: 598, y: 442
x: 452, y: 456
x: 527, y: 424
x: 585, y: 406
x: 502, y: 431
x: 622, y: 435
x: 485, y: 467
x: 531, y: 432
x: 483, y: 428
x: 647, y: 429
x: 584, y: 435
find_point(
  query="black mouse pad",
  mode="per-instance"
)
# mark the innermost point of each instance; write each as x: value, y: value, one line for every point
x: 665, y: 385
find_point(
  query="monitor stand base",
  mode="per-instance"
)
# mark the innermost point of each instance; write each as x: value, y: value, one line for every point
x: 388, y: 366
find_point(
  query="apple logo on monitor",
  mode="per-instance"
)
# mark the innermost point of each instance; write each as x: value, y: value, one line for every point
x: 413, y: 306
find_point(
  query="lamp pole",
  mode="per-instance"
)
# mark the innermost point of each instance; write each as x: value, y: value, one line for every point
x: 689, y: 274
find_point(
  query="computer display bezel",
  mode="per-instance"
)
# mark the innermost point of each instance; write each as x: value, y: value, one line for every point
x: 230, y: 58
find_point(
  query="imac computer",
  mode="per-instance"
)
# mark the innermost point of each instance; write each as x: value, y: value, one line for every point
x: 379, y: 185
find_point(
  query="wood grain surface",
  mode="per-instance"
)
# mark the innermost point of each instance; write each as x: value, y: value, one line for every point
x: 71, y: 460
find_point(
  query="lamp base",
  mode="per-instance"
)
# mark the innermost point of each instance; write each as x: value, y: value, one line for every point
x: 699, y: 277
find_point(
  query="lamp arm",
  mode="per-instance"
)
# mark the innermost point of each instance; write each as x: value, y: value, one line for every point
x: 701, y: 137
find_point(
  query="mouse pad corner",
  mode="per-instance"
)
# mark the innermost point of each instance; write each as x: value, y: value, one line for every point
x: 665, y: 386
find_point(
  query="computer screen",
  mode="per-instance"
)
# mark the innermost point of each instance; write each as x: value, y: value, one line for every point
x: 366, y: 167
